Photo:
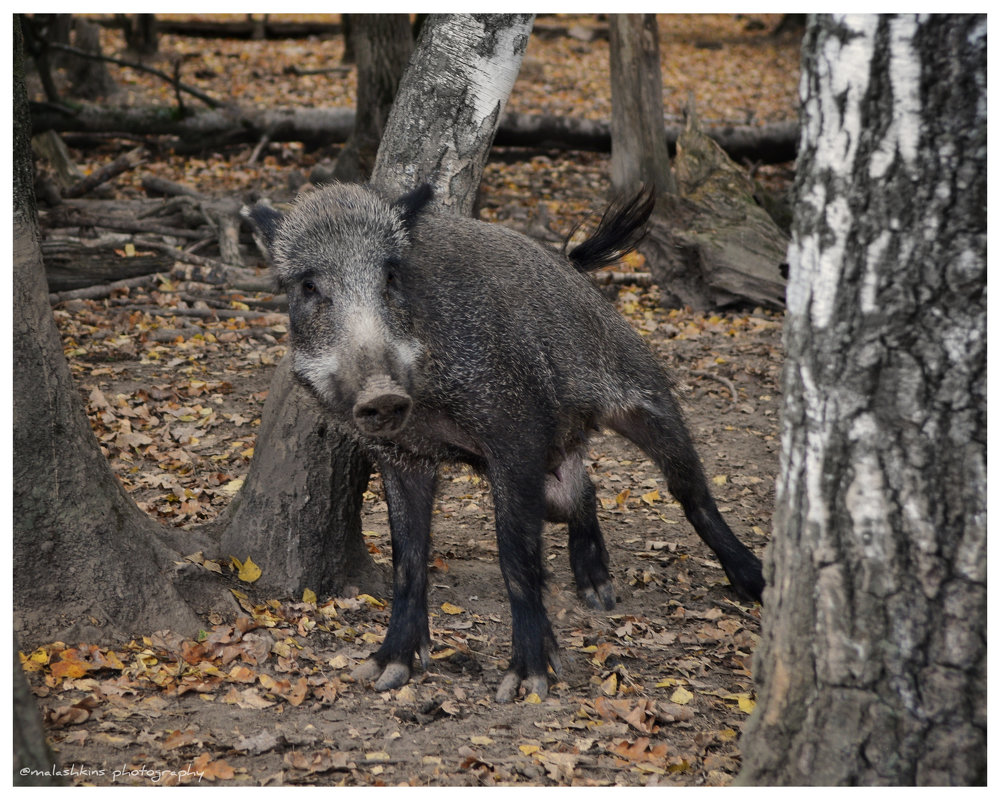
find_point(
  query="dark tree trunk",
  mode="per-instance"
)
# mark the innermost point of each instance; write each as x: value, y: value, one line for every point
x: 382, y: 46
x: 299, y: 512
x: 33, y: 759
x: 638, y: 146
x: 89, y: 78
x: 84, y: 556
x: 872, y: 664
x: 141, y: 33
x: 449, y: 106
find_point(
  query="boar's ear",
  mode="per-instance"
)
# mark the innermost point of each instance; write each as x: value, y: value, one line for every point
x: 412, y: 203
x: 264, y: 221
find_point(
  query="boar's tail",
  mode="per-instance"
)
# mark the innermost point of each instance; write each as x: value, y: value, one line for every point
x: 618, y: 233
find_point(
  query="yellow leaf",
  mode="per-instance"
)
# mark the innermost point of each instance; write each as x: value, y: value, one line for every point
x: 746, y: 704
x: 528, y: 749
x: 372, y: 601
x: 533, y: 698
x: 720, y: 480
x: 681, y: 696
x: 267, y: 681
x: 233, y: 486
x: 380, y: 755
x: 610, y: 685
x: 309, y: 596
x: 448, y: 608
x: 481, y: 740
x: 651, y: 497
x: 249, y: 572
x: 448, y: 652
x: 129, y: 250
x: 622, y: 496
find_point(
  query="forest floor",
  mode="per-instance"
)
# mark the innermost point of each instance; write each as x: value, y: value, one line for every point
x: 654, y: 692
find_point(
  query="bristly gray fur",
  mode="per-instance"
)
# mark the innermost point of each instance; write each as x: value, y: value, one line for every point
x: 431, y: 338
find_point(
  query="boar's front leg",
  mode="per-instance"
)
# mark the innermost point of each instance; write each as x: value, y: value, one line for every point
x: 409, y: 494
x: 519, y: 505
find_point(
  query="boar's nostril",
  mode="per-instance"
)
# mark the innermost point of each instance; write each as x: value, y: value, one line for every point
x: 382, y: 414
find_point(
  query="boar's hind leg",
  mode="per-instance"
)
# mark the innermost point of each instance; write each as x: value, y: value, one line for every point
x: 661, y: 433
x: 571, y: 498
x: 519, y: 504
x: 409, y: 495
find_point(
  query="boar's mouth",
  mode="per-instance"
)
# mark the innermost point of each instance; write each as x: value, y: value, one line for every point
x: 382, y: 407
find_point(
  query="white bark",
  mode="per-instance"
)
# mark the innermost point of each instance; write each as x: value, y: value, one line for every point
x: 449, y: 103
x: 872, y: 661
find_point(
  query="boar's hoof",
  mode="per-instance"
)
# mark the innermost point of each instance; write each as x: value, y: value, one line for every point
x: 533, y: 684
x: 393, y: 676
x: 601, y: 597
x: 747, y: 579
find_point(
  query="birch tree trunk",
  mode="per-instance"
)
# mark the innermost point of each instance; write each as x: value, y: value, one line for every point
x: 299, y: 512
x: 872, y: 664
x: 449, y: 105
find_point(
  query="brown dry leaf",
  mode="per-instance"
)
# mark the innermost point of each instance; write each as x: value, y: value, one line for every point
x: 242, y: 674
x: 66, y: 715
x: 320, y: 761
x: 558, y: 766
x: 671, y: 712
x: 604, y: 649
x: 248, y: 698
x: 640, y: 714
x: 260, y: 742
x: 180, y: 738
x: 212, y: 770
x: 296, y: 693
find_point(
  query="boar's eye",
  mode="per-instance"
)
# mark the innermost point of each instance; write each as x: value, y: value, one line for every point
x: 309, y: 287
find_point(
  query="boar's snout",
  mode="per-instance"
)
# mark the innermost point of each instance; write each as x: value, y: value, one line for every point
x: 382, y: 407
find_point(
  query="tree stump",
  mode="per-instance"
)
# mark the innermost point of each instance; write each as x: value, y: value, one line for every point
x: 712, y: 244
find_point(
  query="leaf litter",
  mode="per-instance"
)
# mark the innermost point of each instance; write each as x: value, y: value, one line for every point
x: 653, y: 693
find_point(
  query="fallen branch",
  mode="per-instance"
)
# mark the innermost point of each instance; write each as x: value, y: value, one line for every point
x: 622, y: 278
x: 775, y: 143
x: 202, y: 313
x: 83, y: 220
x: 104, y: 289
x: 123, y: 163
x: 724, y: 381
x: 207, y: 99
x: 156, y: 186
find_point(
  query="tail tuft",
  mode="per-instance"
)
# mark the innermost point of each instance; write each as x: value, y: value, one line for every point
x: 619, y: 232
